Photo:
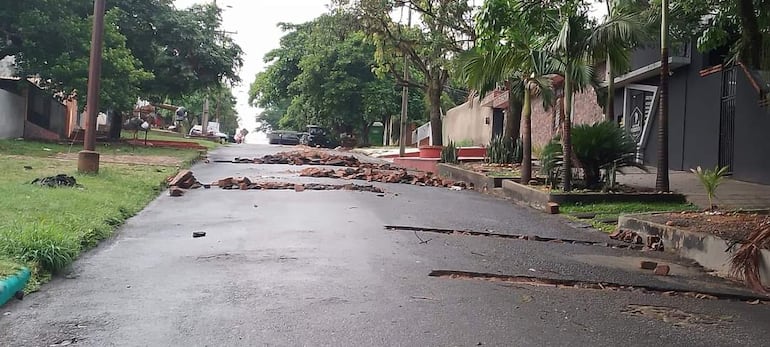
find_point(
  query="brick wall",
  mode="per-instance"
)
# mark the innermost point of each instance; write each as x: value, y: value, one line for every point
x: 545, y: 122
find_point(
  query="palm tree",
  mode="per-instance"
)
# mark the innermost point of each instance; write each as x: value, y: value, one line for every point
x: 484, y: 69
x: 538, y: 67
x: 614, y: 39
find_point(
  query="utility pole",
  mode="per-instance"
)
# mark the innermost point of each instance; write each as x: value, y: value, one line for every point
x: 405, y: 94
x: 205, y: 117
x: 88, y: 158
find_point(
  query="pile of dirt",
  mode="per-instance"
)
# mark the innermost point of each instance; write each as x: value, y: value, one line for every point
x: 733, y: 226
x: 244, y: 183
x: 384, y: 176
x: 60, y: 180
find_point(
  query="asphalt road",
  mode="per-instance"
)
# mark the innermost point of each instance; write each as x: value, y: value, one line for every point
x: 318, y: 268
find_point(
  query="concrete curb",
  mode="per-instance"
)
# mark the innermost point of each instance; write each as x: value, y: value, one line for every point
x: 9, y: 286
x: 481, y: 182
x: 710, y: 251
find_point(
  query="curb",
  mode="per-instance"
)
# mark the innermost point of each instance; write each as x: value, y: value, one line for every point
x: 13, y: 284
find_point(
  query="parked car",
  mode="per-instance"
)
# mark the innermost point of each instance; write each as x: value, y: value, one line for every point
x: 316, y: 136
x: 223, y: 138
x: 283, y: 137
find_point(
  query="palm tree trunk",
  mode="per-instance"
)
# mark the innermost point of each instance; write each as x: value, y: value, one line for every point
x: 661, y: 179
x: 513, y: 114
x: 609, y: 107
x: 566, y: 136
x: 526, y: 134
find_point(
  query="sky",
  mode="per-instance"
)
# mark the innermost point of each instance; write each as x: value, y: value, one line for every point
x: 255, y: 23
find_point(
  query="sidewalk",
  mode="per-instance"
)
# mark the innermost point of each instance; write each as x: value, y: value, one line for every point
x: 731, y: 194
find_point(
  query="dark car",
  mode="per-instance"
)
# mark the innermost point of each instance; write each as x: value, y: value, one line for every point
x: 282, y: 137
x: 316, y: 136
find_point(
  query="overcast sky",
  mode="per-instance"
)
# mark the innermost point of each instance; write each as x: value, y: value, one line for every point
x: 255, y: 23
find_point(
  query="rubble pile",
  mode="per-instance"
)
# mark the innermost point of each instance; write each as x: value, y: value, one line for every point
x: 651, y: 242
x: 308, y: 157
x: 60, y: 180
x: 383, y: 175
x: 183, y: 180
x: 244, y: 183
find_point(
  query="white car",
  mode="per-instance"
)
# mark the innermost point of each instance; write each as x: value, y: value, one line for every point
x: 196, y: 131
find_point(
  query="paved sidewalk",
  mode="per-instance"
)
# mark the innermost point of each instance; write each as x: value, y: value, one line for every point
x: 732, y: 194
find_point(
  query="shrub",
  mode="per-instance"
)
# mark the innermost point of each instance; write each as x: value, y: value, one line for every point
x: 502, y: 150
x: 464, y: 143
x: 551, y: 158
x: 44, y: 245
x: 449, y: 153
x: 603, y: 146
x: 711, y: 179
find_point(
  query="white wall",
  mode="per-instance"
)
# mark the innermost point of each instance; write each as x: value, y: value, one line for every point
x: 11, y: 115
x: 468, y: 122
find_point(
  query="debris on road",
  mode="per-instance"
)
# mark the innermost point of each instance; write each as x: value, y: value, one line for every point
x: 306, y: 157
x: 175, y: 191
x: 662, y: 270
x: 60, y: 180
x: 183, y: 180
x: 648, y: 265
x: 244, y: 183
x: 197, y: 234
x: 383, y: 175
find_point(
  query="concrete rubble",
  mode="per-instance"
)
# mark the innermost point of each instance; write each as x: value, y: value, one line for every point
x: 308, y: 157
x: 384, y: 176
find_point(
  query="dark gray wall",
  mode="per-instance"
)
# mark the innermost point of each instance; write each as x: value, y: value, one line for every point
x: 752, y: 129
x: 701, y: 134
x: 650, y: 54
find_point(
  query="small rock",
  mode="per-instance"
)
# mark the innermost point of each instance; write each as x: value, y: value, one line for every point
x: 662, y: 270
x: 299, y: 188
x: 206, y: 186
x: 197, y: 234
x: 175, y: 191
x: 648, y: 265
x: 27, y: 167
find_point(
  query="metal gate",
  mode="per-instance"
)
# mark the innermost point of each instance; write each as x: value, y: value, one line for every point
x: 727, y: 119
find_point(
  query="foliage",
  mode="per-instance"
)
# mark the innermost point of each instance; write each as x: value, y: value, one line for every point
x: 612, y: 210
x: 710, y: 180
x: 465, y: 143
x: 551, y: 158
x: 39, y: 229
x: 746, y: 261
x: 222, y: 105
x: 444, y: 30
x: 603, y: 146
x: 151, y: 49
x: 503, y: 150
x: 449, y: 153
x: 323, y: 74
x: 740, y: 26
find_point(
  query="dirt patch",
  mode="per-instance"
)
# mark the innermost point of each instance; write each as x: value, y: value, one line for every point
x: 733, y: 226
x: 154, y: 160
x: 493, y: 170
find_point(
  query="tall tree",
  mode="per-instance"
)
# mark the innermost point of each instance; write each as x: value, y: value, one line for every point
x: 661, y: 178
x: 442, y: 30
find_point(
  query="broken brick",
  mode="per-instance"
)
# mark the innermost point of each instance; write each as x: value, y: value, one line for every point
x: 552, y: 208
x: 175, y: 191
x: 648, y: 265
x: 299, y: 188
x: 662, y: 270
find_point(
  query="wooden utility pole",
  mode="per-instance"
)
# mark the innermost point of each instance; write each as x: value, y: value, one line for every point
x: 88, y: 158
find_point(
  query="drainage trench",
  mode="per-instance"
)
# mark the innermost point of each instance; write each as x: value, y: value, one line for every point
x: 591, y: 285
x: 512, y: 236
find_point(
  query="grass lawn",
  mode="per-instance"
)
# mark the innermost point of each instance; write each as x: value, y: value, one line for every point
x: 614, y: 210
x: 47, y: 228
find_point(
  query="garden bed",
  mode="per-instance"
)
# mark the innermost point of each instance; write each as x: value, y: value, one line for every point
x: 540, y: 195
x: 709, y: 241
x: 482, y: 181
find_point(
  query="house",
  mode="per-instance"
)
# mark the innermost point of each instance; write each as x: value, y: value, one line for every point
x: 28, y: 111
x: 718, y: 113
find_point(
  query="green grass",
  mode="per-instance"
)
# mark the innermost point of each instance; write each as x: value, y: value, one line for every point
x: 8, y: 267
x: 47, y: 228
x: 49, y: 149
x: 614, y: 210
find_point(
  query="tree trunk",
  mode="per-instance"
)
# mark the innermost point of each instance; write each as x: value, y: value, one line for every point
x: 365, y: 129
x: 116, y: 125
x: 566, y: 134
x: 513, y: 114
x: 661, y: 179
x: 434, y: 98
x: 526, y: 134
x: 609, y: 107
x: 752, y: 36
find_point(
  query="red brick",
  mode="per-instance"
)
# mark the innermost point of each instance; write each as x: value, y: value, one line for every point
x: 662, y: 270
x: 299, y: 188
x: 648, y: 265
x: 175, y: 191
x: 552, y: 208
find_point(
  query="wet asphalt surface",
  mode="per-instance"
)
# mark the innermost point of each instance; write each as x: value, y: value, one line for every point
x: 318, y: 268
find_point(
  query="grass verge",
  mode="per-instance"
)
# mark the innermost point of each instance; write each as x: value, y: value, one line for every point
x: 611, y: 211
x: 46, y: 229
x: 158, y: 135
